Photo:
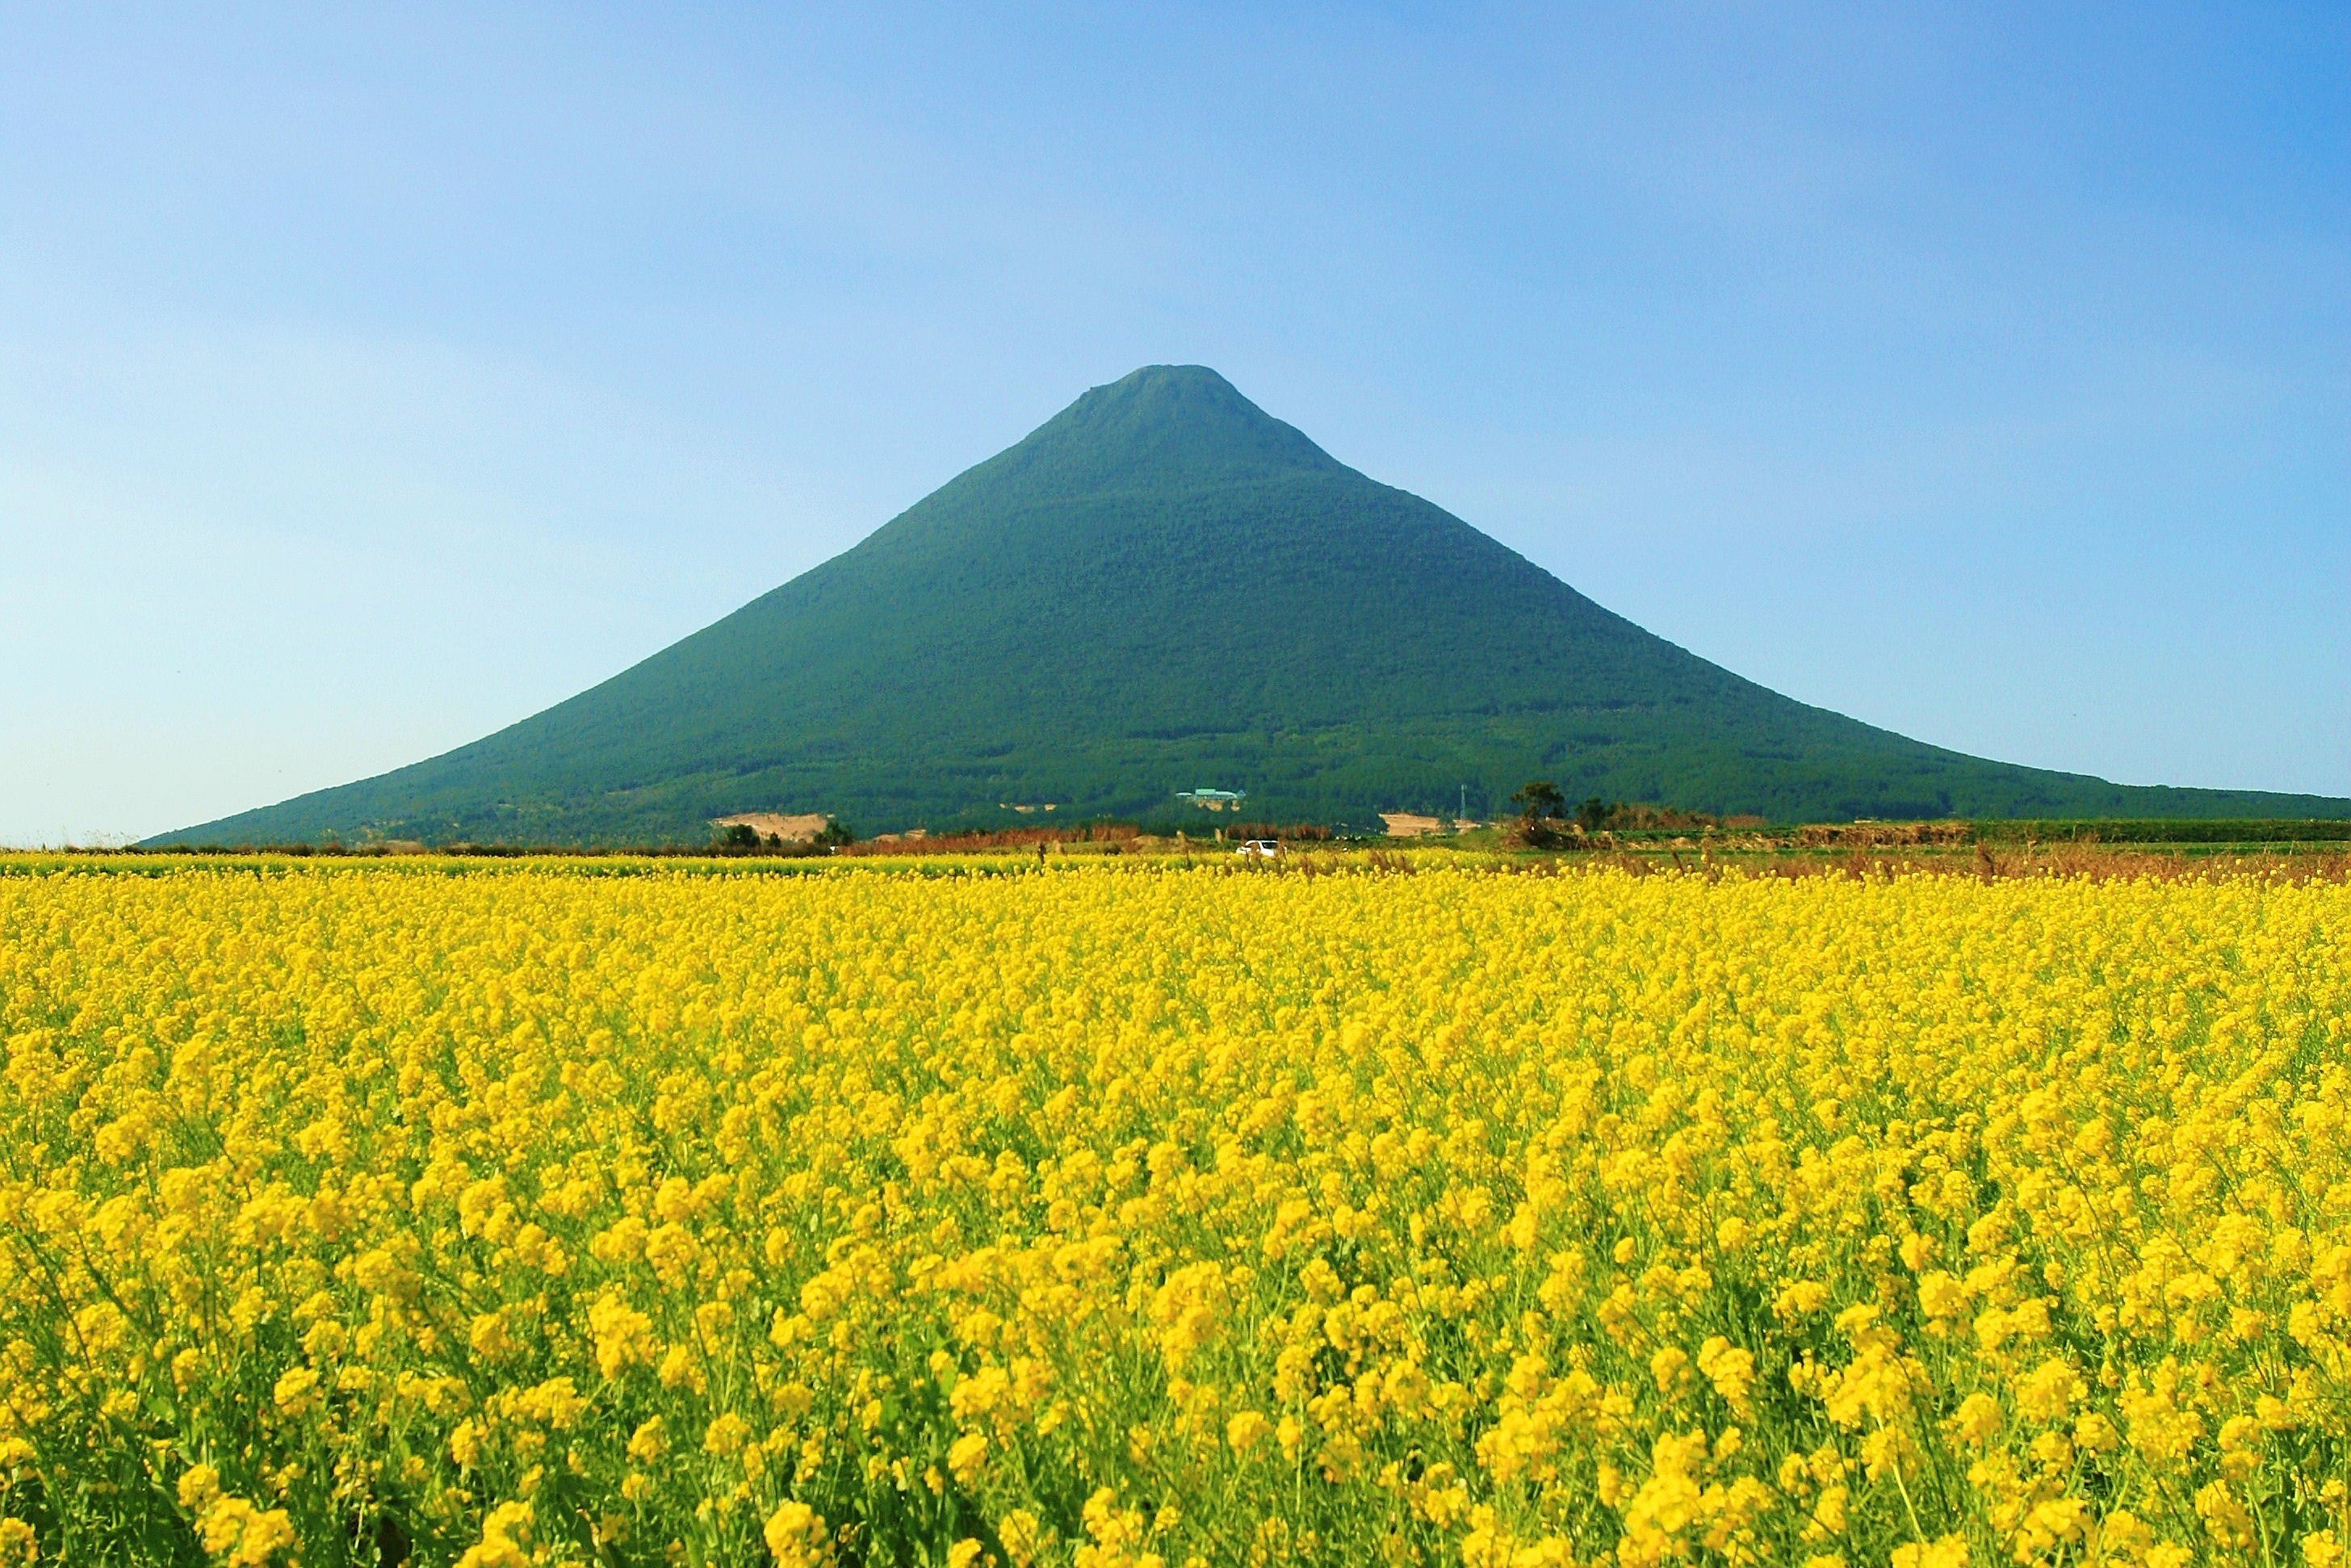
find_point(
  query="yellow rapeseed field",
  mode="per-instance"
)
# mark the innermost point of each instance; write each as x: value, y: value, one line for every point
x: 593, y: 1212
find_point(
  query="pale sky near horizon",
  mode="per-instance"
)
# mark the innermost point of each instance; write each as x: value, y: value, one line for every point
x: 372, y: 378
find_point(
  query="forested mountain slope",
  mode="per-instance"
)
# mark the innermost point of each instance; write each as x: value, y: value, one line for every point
x: 1164, y: 587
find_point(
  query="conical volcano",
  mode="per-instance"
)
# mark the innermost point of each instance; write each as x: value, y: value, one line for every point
x: 1165, y: 588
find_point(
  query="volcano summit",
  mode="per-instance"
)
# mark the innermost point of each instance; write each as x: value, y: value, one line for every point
x: 1164, y: 587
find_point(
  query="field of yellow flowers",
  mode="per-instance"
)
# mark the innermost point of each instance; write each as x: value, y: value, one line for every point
x: 1139, y: 1214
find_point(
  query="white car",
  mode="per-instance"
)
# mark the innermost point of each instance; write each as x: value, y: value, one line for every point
x: 1260, y: 849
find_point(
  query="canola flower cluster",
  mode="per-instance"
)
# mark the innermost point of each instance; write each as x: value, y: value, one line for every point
x: 1136, y: 1216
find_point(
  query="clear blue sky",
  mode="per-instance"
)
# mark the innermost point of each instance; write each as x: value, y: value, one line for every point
x: 369, y: 382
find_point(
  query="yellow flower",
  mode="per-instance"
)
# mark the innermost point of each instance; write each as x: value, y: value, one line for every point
x: 465, y: 1442
x: 1800, y: 1299
x: 1731, y: 1370
x: 2225, y: 1515
x: 1022, y: 1536
x: 725, y: 1437
x: 555, y: 1404
x: 796, y: 1537
x: 296, y: 1393
x: 199, y: 1485
x: 504, y: 1534
x: 1977, y: 1420
x: 240, y: 1536
x: 623, y: 1335
x: 2048, y: 1393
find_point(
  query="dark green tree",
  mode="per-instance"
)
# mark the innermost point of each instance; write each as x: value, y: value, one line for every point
x: 1539, y: 800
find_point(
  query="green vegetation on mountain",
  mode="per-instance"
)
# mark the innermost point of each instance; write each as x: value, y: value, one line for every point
x: 1164, y: 587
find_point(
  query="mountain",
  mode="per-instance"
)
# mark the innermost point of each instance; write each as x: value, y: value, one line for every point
x: 1165, y: 588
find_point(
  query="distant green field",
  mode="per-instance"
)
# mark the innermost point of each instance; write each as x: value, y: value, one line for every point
x: 2175, y: 831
